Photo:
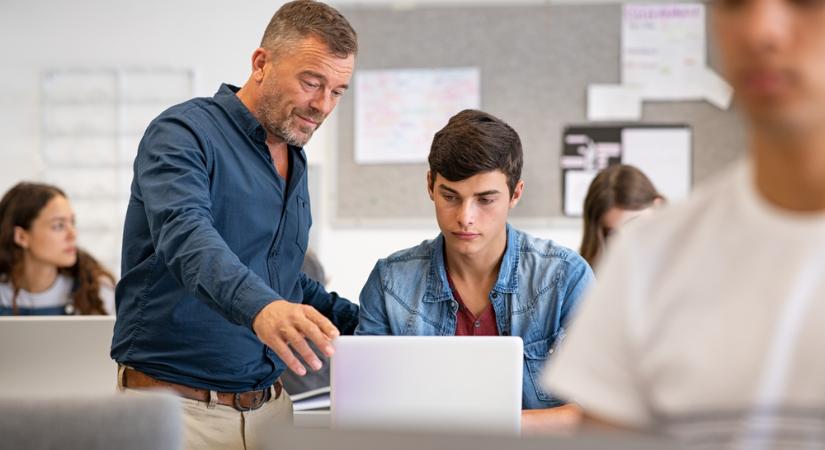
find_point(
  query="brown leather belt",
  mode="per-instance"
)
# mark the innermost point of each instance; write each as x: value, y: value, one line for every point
x: 242, y: 401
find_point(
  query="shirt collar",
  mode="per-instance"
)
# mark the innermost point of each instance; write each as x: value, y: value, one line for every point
x: 438, y: 288
x: 228, y: 99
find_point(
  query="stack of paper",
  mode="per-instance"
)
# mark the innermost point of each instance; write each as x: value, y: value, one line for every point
x: 309, y: 400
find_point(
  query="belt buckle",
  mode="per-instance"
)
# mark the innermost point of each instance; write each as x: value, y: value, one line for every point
x: 236, y: 401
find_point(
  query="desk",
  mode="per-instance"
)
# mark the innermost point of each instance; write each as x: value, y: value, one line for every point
x: 296, y: 438
x: 311, y: 419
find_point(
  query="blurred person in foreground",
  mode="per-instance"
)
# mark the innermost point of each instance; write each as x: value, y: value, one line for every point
x: 706, y: 323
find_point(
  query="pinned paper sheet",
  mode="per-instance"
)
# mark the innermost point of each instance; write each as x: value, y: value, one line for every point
x: 397, y: 112
x: 661, y: 46
x: 664, y: 54
x: 713, y: 88
x: 663, y: 154
x: 613, y: 102
x: 576, y: 184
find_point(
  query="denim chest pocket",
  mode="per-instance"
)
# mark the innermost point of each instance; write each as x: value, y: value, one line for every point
x: 417, y: 324
x: 535, y: 358
x: 302, y: 208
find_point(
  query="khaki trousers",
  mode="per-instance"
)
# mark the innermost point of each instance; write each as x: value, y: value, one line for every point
x: 213, y: 426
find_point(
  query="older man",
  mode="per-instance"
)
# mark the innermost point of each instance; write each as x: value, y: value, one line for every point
x: 212, y: 303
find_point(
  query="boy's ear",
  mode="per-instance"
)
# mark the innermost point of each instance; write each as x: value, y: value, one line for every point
x: 430, y: 184
x: 517, y: 191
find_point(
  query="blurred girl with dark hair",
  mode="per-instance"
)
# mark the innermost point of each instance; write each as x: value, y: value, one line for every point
x: 42, y: 272
x: 616, y: 196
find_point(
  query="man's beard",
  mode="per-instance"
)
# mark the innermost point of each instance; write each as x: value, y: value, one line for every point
x: 285, y: 128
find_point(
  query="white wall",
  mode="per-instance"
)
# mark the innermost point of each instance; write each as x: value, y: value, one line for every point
x: 216, y: 39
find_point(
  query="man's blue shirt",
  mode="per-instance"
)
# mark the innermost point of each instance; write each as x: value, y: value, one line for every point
x: 539, y: 285
x: 212, y: 235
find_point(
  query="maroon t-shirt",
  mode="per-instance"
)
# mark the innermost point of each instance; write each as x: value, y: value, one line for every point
x: 467, y: 324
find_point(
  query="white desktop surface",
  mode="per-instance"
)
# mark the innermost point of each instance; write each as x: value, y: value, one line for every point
x: 311, y: 419
x: 297, y: 438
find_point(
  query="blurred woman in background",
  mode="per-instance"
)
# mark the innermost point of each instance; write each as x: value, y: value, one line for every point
x: 616, y: 196
x: 42, y: 272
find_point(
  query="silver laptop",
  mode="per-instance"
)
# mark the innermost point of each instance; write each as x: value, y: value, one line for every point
x: 56, y: 355
x: 425, y: 383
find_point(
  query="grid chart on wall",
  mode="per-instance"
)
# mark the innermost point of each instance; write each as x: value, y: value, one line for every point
x: 92, y: 122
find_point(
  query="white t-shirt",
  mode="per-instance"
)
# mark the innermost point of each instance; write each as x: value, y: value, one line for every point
x: 57, y: 295
x: 708, y: 322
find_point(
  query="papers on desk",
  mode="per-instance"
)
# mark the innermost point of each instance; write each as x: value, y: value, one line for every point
x: 311, y: 400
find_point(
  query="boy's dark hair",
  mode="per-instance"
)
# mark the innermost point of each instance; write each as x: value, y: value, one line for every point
x: 299, y: 19
x: 474, y: 142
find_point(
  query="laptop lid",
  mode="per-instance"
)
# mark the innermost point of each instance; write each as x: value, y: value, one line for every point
x: 427, y: 383
x: 56, y: 355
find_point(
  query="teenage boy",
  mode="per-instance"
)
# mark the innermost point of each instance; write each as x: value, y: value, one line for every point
x: 480, y: 276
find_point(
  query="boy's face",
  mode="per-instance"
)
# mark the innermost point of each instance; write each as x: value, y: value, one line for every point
x: 774, y: 56
x: 472, y: 213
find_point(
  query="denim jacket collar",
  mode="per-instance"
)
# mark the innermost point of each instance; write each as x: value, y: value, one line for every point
x: 438, y: 288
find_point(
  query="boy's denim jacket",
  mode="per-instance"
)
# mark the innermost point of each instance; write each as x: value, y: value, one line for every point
x: 539, y: 285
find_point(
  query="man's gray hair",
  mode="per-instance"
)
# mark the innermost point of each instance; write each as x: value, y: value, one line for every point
x: 299, y: 19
